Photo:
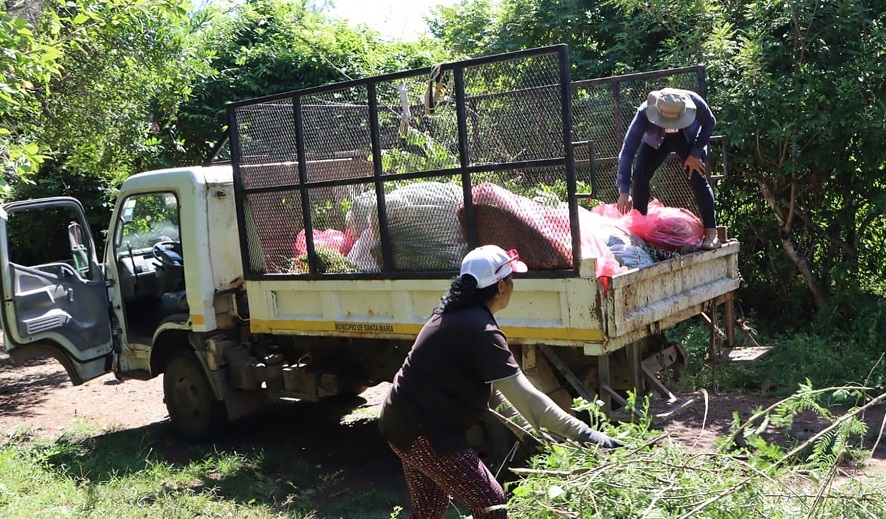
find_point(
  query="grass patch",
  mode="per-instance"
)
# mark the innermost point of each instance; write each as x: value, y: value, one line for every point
x: 836, y: 359
x: 361, y: 413
x: 127, y: 474
x: 121, y: 474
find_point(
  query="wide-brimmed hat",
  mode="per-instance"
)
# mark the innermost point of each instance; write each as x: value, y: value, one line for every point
x: 670, y: 108
x: 489, y: 264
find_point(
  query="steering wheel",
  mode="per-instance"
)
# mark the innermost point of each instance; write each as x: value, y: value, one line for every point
x: 164, y: 252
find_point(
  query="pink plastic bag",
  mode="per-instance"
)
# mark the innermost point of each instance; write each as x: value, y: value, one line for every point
x: 330, y: 239
x: 594, y: 229
x: 668, y: 228
x: 609, y: 211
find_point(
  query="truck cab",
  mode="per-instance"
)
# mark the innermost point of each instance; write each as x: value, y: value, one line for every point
x: 172, y: 255
x: 170, y: 266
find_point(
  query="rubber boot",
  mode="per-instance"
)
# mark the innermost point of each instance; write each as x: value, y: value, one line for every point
x: 711, y: 241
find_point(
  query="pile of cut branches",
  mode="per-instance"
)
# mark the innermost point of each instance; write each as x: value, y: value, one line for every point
x: 654, y: 477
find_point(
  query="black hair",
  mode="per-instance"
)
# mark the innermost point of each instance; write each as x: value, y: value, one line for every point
x: 464, y: 293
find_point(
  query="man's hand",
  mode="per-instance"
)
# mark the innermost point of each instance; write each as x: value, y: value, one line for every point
x: 624, y: 204
x: 693, y: 164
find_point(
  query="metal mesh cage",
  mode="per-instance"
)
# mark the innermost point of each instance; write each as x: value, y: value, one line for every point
x: 402, y: 174
x: 603, y: 110
x: 335, y: 125
x: 268, y: 156
x: 272, y: 222
x: 513, y: 111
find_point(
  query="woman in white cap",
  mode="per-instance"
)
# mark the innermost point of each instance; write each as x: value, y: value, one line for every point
x: 670, y: 120
x: 444, y: 386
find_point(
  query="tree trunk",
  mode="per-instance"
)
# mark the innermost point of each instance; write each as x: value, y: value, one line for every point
x: 816, y: 288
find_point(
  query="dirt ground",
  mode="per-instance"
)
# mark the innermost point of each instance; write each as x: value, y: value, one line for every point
x: 342, y: 438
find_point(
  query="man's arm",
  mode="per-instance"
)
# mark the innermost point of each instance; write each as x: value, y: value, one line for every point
x: 706, y: 120
x: 629, y: 148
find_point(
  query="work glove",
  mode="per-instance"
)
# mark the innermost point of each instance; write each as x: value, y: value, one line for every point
x: 591, y: 437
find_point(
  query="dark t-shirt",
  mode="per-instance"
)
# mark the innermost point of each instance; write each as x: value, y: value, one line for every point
x: 444, y: 385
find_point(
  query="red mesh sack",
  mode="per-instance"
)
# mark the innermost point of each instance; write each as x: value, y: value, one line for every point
x: 539, y: 232
x: 512, y: 221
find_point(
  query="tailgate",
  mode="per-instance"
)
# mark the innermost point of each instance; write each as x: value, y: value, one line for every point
x: 646, y: 300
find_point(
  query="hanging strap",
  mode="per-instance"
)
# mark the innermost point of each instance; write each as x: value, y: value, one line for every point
x: 435, y: 89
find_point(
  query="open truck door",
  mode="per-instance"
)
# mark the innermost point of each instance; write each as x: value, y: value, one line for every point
x: 55, y: 300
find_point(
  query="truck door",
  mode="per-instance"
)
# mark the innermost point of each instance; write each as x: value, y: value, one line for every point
x: 55, y: 301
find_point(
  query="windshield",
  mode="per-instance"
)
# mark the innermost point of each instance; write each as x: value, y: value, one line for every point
x: 146, y: 220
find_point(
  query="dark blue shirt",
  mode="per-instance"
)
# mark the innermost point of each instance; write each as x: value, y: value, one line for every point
x: 698, y: 135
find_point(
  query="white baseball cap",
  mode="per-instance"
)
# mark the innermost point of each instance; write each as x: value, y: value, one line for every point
x: 489, y: 264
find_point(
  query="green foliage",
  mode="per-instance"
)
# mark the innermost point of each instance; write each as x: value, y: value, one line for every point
x: 797, y: 90
x: 826, y: 449
x: 108, y: 88
x: 26, y: 62
x: 98, y: 83
x: 467, y: 28
x: 792, y: 86
x: 601, y: 40
x: 328, y: 261
x: 418, y: 152
x: 265, y: 47
x: 809, y: 145
x: 653, y: 477
x: 843, y: 345
x: 57, y: 178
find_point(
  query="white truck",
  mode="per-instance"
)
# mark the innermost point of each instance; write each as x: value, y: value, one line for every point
x: 219, y: 276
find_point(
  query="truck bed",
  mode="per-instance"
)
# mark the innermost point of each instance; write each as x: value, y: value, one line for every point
x: 559, y: 312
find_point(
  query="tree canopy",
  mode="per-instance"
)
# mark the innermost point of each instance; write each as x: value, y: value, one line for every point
x: 797, y: 88
x: 95, y: 91
x: 94, y: 83
x: 264, y: 47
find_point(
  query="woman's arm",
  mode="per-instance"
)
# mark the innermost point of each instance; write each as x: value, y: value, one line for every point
x: 543, y: 413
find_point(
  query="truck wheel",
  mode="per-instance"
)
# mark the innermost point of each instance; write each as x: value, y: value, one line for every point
x: 190, y: 401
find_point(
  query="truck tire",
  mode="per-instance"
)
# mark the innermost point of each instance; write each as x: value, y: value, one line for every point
x: 190, y: 401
